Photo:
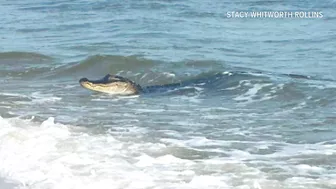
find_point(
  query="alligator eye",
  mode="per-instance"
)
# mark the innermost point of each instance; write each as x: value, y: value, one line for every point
x: 113, y: 79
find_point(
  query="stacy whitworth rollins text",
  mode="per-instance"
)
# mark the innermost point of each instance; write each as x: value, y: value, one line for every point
x: 273, y: 14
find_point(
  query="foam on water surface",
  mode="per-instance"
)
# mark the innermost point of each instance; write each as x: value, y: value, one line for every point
x: 252, y: 93
x: 52, y: 155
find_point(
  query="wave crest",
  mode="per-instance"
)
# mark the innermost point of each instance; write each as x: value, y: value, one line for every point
x: 23, y: 55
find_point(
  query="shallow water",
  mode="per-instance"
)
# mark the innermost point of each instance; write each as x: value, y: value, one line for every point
x: 258, y: 110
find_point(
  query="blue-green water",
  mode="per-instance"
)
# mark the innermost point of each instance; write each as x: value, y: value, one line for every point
x: 263, y: 115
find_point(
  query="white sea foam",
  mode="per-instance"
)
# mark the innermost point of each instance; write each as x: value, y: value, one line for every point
x: 14, y: 95
x: 52, y: 155
x: 227, y: 73
x: 196, y: 142
x: 41, y: 98
x: 252, y: 93
x: 168, y: 74
x: 324, y: 85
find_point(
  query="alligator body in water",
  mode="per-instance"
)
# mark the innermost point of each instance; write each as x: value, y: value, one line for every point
x: 117, y: 85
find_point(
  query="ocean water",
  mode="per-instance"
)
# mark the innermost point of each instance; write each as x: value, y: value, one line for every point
x: 262, y: 117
